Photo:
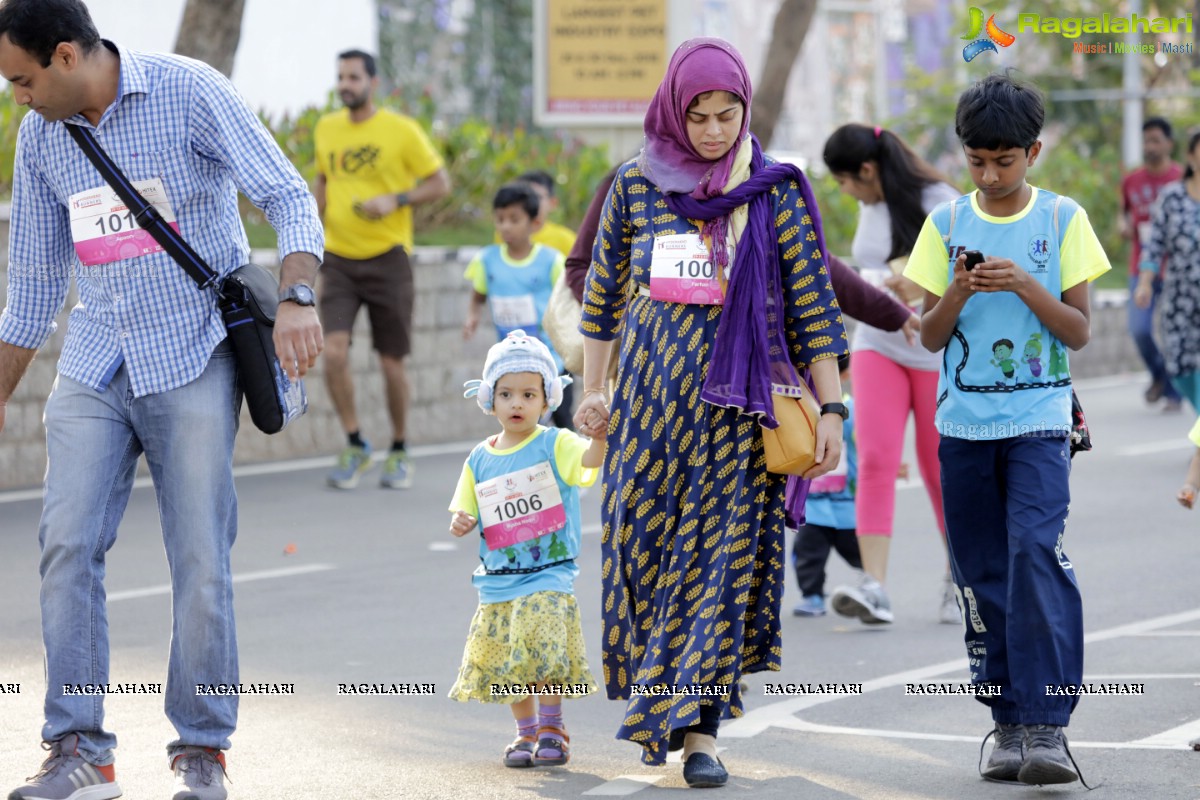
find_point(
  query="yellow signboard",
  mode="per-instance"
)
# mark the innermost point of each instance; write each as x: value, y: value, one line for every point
x: 604, y: 56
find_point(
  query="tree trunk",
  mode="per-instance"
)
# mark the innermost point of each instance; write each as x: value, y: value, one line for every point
x: 791, y: 26
x: 210, y: 32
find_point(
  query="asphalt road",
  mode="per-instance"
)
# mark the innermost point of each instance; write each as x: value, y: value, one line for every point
x: 376, y: 591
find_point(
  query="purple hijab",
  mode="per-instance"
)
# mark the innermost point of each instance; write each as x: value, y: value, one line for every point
x: 668, y: 159
x: 750, y: 351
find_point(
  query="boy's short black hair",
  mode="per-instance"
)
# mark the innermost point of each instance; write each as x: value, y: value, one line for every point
x: 517, y: 194
x: 999, y: 113
x: 1158, y: 122
x: 541, y: 178
x: 367, y: 59
x: 39, y: 26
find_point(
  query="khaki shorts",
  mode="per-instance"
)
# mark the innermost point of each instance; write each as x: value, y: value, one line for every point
x: 384, y: 284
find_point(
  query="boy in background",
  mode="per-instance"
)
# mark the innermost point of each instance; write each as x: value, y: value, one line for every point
x: 515, y: 278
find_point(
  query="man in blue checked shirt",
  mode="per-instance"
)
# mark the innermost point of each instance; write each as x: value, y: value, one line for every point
x: 145, y: 367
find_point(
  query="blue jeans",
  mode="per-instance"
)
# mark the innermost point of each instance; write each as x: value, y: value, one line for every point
x: 1141, y: 328
x: 93, y: 442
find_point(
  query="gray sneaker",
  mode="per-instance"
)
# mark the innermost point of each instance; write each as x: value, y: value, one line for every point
x: 397, y: 471
x: 1008, y: 752
x: 199, y: 774
x: 66, y: 776
x: 1047, y: 759
x: 868, y: 602
x: 948, y: 612
x: 352, y: 463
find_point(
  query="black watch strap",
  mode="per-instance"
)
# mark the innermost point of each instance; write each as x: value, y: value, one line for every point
x: 836, y: 408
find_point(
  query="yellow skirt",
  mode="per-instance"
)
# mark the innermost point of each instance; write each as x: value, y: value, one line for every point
x: 515, y: 646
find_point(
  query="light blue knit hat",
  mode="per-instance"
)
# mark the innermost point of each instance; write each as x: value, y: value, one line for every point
x: 518, y: 352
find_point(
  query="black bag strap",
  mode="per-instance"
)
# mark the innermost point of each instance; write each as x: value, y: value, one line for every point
x: 146, y: 214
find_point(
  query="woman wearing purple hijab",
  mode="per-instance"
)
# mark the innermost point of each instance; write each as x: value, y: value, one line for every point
x: 709, y: 266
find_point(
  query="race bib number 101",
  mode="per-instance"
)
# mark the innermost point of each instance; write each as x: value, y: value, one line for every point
x: 104, y: 229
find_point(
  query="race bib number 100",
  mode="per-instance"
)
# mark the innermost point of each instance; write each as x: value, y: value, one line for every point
x: 520, y: 506
x: 104, y: 229
x: 682, y: 272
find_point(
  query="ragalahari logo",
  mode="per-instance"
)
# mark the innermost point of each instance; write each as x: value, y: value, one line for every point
x: 980, y: 44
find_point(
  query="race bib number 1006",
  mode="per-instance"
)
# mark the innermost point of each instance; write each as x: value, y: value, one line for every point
x: 520, y: 506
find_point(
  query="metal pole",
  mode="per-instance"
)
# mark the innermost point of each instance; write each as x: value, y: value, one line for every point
x: 1131, y: 83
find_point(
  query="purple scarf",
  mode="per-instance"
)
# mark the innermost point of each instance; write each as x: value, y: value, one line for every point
x: 667, y: 159
x: 750, y: 351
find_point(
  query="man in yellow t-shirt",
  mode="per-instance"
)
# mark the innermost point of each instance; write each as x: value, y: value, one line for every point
x: 373, y: 165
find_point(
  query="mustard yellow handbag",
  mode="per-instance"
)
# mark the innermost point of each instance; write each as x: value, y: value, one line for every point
x: 791, y: 448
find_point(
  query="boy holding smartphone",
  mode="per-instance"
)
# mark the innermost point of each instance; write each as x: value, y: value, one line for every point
x: 1004, y: 445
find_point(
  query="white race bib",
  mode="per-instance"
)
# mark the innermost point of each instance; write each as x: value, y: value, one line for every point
x: 104, y: 229
x: 682, y: 272
x: 520, y: 506
x: 516, y: 311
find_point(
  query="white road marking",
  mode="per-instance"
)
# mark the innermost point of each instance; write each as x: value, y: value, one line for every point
x: 441, y: 547
x: 245, y: 577
x: 1168, y: 633
x: 624, y: 785
x: 1176, y: 737
x: 782, y: 713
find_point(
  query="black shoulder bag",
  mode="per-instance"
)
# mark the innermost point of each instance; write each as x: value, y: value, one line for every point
x: 248, y: 298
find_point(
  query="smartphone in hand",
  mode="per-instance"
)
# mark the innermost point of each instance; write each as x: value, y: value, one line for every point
x: 974, y: 259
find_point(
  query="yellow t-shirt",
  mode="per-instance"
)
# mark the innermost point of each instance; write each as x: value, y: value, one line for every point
x: 551, y: 234
x: 386, y: 154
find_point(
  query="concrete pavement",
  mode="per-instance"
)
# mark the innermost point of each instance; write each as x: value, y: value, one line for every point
x: 376, y: 591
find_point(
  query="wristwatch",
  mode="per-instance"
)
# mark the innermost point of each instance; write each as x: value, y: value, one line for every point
x: 299, y: 293
x: 836, y: 408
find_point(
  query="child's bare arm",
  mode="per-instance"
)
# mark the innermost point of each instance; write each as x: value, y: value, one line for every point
x: 462, y: 523
x: 593, y: 457
x: 1187, y: 495
x: 478, y: 301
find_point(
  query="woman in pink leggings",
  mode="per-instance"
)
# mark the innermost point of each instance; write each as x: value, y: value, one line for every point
x: 896, y: 189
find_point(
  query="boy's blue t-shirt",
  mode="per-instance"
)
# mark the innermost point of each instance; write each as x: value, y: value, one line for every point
x: 1004, y: 373
x: 517, y: 291
x: 831, y: 497
x: 543, y: 563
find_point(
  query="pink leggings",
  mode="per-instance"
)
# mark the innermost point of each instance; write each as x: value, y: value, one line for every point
x: 884, y: 393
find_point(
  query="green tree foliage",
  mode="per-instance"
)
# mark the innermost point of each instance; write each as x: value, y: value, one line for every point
x: 1082, y: 156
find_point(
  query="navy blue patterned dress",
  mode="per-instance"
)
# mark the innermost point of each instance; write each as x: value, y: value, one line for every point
x: 693, y: 539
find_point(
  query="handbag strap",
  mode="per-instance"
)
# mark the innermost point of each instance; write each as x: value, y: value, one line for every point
x: 146, y: 214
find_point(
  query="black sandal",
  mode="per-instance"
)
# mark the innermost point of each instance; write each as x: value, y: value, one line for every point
x: 519, y: 754
x: 550, y: 738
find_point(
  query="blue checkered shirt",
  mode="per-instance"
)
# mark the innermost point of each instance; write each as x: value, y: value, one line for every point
x: 182, y: 122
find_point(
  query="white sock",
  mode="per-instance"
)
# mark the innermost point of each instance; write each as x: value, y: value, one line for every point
x: 699, y: 743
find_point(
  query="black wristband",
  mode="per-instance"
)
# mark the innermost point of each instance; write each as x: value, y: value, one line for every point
x: 402, y: 200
